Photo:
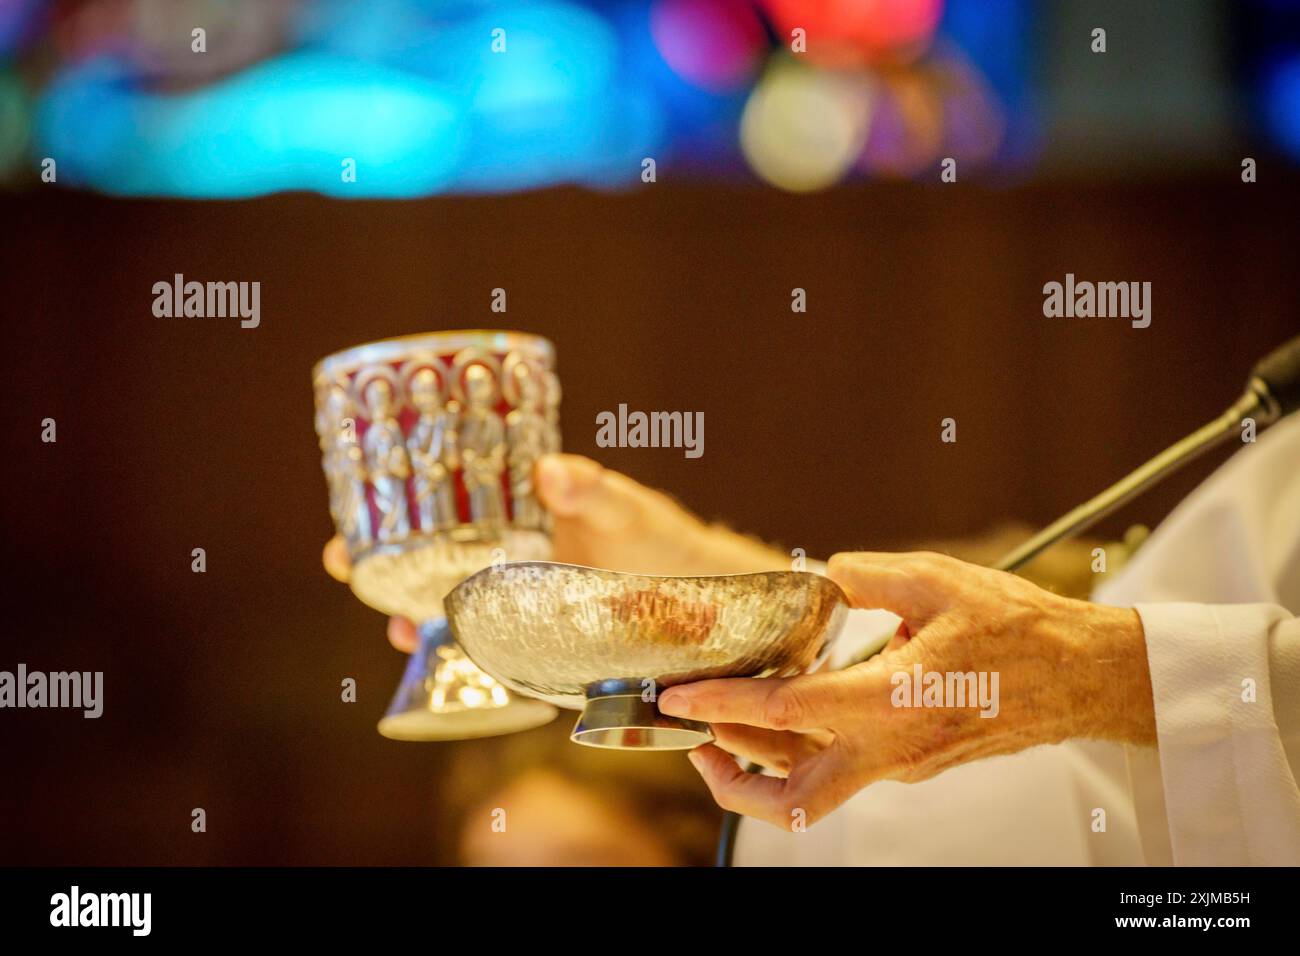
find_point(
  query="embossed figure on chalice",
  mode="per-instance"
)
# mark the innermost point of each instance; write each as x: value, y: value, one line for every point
x: 345, y: 467
x: 386, y: 456
x: 326, y: 417
x: 553, y: 409
x: 528, y: 435
x: 432, y: 445
x: 483, y: 448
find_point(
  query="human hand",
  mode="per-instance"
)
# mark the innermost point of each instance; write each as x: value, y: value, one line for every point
x: 607, y: 520
x: 1041, y: 669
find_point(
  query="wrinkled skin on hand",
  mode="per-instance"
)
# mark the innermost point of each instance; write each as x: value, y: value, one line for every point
x: 1065, y: 668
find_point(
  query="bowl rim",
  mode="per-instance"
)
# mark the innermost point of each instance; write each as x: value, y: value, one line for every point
x: 821, y: 578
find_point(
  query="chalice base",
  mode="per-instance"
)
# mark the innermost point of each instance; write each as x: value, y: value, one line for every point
x: 617, y: 717
x: 431, y: 726
x: 444, y: 696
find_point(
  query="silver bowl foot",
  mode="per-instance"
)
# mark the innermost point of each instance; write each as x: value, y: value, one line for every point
x: 617, y: 717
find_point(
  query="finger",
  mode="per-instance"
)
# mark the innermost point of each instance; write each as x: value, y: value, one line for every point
x: 750, y: 794
x: 335, y: 557
x: 795, y: 703
x: 909, y: 585
x: 818, y: 785
x: 775, y: 750
x: 571, y: 485
x: 608, y: 520
x: 403, y: 635
x: 814, y: 788
x: 901, y: 637
x: 603, y: 500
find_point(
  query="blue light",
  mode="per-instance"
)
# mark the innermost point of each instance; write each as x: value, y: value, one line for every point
x: 18, y: 21
x: 288, y: 123
x: 551, y: 108
x: 438, y: 96
x: 445, y: 112
x: 1282, y: 104
x: 997, y: 36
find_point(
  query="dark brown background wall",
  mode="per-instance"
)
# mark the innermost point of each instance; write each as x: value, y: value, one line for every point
x: 822, y: 432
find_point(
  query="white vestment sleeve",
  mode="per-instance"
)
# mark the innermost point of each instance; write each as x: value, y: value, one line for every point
x: 1221, y: 788
x: 1229, y: 747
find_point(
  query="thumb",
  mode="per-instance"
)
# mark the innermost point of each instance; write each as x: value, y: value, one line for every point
x: 566, y: 484
x: 335, y: 556
x: 598, y: 499
x: 906, y: 584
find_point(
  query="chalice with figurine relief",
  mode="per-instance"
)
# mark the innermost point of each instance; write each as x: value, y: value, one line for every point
x: 428, y: 444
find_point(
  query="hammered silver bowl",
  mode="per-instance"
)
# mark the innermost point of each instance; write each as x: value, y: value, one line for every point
x: 607, y: 643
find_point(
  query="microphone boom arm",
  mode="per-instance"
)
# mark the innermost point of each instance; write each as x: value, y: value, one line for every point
x: 1255, y: 403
